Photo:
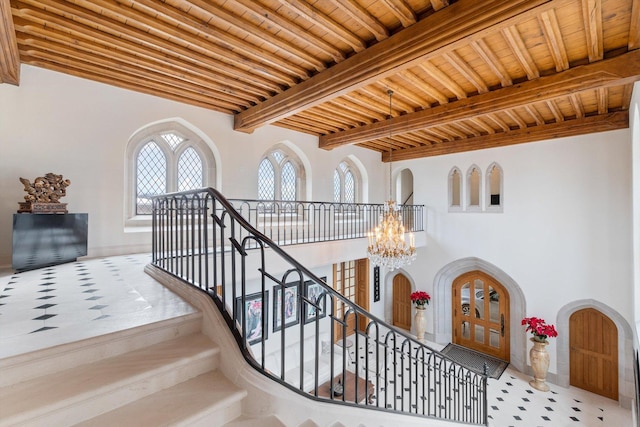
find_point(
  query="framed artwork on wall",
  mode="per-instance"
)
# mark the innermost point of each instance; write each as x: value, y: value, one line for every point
x: 290, y: 300
x: 313, y: 291
x: 253, y: 308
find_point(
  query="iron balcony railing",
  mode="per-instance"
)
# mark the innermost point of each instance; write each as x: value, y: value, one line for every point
x: 294, y: 328
x: 295, y: 222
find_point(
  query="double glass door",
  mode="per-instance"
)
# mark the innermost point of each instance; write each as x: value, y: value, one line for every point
x: 481, y: 314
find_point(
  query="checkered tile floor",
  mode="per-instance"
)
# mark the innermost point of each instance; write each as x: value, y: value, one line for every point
x: 68, y: 302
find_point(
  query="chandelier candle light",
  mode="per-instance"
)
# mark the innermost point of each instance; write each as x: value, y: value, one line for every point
x: 387, y: 245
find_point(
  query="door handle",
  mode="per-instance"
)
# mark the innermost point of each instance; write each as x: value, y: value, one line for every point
x: 502, y: 325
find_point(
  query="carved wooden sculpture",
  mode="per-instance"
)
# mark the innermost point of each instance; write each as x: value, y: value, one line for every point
x: 43, y: 195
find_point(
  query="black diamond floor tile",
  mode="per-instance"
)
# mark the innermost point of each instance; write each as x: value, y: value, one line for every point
x: 45, y: 328
x: 45, y: 317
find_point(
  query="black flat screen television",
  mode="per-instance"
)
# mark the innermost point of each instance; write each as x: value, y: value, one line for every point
x: 42, y: 240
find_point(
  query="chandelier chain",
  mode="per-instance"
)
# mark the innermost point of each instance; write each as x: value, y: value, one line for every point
x: 387, y: 245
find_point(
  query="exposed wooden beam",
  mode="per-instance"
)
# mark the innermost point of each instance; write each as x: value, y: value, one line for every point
x: 533, y: 112
x: 442, y: 30
x: 315, y: 16
x: 516, y: 118
x: 514, y: 40
x: 634, y: 29
x: 439, y: 4
x: 591, y: 124
x: 616, y: 71
x: 291, y: 28
x: 364, y: 18
x: 402, y: 11
x: 113, y: 32
x: 553, y: 107
x: 469, y: 73
x: 592, y: 15
x: 425, y: 87
x: 9, y: 55
x: 602, y: 95
x: 223, y: 17
x: 133, y: 85
x: 576, y: 103
x: 150, y: 14
x: 549, y: 23
x: 485, y: 52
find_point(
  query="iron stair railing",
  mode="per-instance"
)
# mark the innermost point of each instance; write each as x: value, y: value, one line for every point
x: 286, y: 319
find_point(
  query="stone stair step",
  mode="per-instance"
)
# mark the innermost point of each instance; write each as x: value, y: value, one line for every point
x: 209, y: 400
x: 267, y: 421
x: 30, y: 365
x: 74, y: 395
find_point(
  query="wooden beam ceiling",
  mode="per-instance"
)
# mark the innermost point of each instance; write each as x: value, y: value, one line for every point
x: 466, y: 74
x: 617, y: 71
x: 401, y: 51
x: 578, y: 126
x: 9, y: 56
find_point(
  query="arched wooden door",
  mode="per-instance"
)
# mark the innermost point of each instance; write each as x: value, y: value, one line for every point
x: 593, y: 355
x: 402, y: 302
x: 481, y: 314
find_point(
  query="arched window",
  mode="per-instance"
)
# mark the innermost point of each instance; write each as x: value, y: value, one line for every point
x: 473, y: 186
x: 346, y: 183
x: 190, y: 171
x: 494, y: 188
x: 162, y: 158
x: 266, y: 181
x: 455, y: 190
x: 279, y: 176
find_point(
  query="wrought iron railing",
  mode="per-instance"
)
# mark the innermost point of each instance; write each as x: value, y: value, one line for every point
x: 294, y: 328
x: 295, y: 222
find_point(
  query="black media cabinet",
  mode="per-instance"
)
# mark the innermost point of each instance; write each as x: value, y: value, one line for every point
x: 42, y: 240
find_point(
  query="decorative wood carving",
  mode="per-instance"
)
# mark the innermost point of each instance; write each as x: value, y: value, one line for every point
x: 44, y: 194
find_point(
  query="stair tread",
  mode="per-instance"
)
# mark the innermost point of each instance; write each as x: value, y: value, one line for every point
x: 24, y: 366
x: 181, y: 404
x: 266, y: 421
x: 77, y: 384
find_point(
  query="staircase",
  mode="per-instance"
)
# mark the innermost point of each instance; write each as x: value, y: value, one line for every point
x: 165, y: 373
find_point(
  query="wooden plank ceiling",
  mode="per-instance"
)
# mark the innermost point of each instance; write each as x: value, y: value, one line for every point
x: 465, y: 74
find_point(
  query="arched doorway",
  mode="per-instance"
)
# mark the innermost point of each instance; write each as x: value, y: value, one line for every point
x: 593, y: 352
x: 402, y: 302
x: 481, y: 314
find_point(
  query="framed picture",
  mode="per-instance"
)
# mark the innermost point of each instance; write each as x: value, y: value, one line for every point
x: 291, y: 312
x: 312, y: 292
x: 253, y: 307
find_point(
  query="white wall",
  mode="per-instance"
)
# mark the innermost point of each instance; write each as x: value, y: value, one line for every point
x: 565, y: 233
x: 58, y: 123
x: 634, y: 111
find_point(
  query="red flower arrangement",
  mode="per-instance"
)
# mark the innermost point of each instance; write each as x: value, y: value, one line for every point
x: 420, y: 298
x: 539, y: 328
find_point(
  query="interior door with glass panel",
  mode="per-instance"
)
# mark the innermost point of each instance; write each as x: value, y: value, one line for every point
x: 481, y: 314
x: 351, y: 279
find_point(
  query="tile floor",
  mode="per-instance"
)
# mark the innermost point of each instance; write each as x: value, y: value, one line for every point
x: 55, y: 305
x: 68, y: 302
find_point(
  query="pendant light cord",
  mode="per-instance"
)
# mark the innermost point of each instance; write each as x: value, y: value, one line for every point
x: 390, y: 93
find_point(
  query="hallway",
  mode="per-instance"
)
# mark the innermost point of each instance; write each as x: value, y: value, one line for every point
x: 64, y: 303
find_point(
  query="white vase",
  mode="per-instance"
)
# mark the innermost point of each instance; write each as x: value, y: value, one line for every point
x: 539, y: 357
x: 420, y: 322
